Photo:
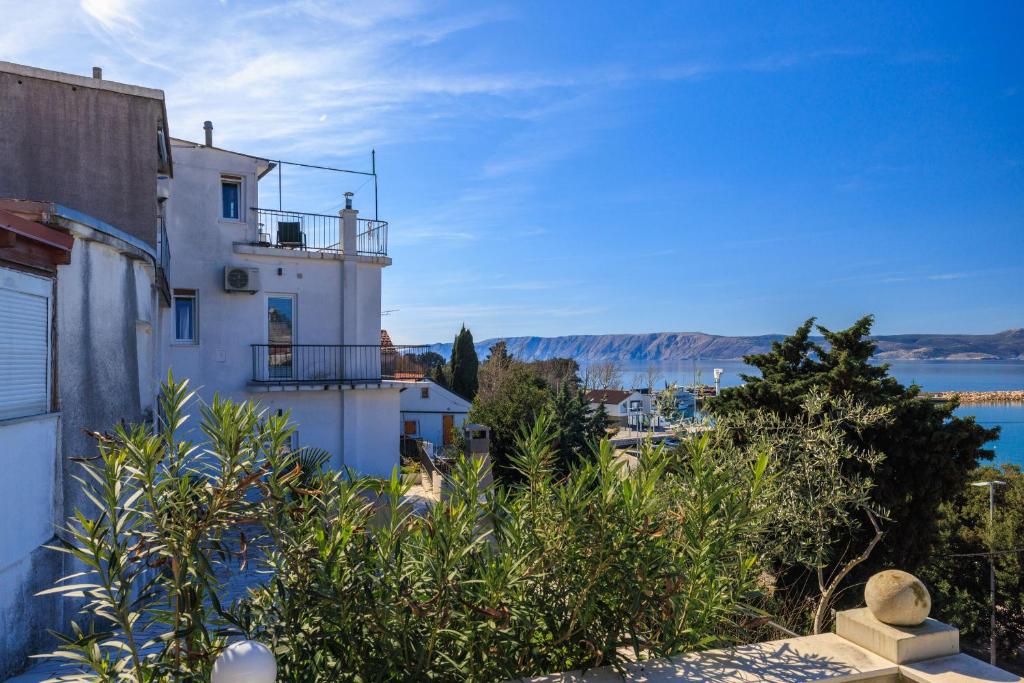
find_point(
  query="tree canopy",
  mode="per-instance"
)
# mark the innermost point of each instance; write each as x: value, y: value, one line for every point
x: 464, y: 365
x: 958, y: 573
x: 514, y: 393
x: 927, y: 451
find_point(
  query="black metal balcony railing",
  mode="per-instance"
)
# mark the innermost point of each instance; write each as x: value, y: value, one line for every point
x: 333, y: 363
x: 318, y: 232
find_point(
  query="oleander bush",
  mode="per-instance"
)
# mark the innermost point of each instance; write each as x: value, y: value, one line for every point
x: 560, y: 571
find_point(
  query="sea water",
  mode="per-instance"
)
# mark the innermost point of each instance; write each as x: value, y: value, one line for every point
x: 929, y: 375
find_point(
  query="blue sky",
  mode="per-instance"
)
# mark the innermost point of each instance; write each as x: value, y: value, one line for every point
x: 587, y: 167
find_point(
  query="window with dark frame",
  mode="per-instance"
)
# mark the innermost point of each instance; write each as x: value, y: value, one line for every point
x: 231, y: 198
x: 425, y: 392
x: 185, y: 316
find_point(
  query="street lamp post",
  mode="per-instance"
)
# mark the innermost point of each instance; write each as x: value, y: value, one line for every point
x: 991, y: 561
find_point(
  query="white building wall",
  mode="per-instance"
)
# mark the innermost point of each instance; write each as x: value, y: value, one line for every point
x: 28, y: 459
x: 108, y: 320
x: 30, y: 486
x: 429, y: 412
x: 105, y: 322
x: 371, y: 443
x: 202, y: 244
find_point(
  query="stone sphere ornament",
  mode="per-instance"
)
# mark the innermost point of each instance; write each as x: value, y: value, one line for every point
x: 897, y: 598
x: 246, y: 661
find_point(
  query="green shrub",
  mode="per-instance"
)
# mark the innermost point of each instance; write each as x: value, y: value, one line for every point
x: 597, y: 566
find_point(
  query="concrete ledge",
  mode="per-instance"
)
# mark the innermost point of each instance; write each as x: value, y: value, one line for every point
x: 824, y: 657
x: 327, y: 385
x: 899, y: 644
x: 959, y: 668
x: 278, y: 252
x: 81, y: 81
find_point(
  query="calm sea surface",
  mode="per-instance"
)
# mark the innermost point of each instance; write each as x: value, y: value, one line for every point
x: 930, y: 375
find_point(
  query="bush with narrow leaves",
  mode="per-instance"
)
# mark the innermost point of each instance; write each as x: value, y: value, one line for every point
x: 561, y: 571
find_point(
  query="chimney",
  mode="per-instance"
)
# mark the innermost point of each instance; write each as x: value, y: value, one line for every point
x: 208, y: 128
x: 97, y: 72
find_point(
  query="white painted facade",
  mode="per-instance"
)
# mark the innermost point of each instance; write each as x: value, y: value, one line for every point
x: 627, y: 410
x: 96, y: 367
x: 29, y: 440
x: 28, y: 461
x: 335, y: 298
x: 425, y: 405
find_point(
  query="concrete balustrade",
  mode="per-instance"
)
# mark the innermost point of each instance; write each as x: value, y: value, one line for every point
x: 863, y: 648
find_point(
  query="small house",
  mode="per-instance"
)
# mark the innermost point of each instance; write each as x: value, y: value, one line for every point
x: 431, y: 413
x: 623, y: 407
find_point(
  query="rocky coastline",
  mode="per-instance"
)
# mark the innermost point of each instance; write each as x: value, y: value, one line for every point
x: 969, y: 397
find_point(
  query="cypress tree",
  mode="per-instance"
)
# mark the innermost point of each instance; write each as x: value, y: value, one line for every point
x: 464, y: 365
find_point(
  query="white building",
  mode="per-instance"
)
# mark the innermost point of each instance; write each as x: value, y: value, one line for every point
x: 623, y: 407
x: 280, y: 306
x: 430, y: 412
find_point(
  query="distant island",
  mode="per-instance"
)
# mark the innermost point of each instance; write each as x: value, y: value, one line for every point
x: 662, y: 346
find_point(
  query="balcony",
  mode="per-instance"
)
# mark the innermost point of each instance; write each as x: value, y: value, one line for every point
x: 334, y: 364
x: 297, y: 230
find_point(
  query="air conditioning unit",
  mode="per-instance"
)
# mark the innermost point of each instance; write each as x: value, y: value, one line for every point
x: 239, y: 279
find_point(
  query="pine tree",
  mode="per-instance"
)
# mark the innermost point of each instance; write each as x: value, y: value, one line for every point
x: 597, y: 422
x: 464, y: 365
x: 574, y: 429
x: 928, y: 451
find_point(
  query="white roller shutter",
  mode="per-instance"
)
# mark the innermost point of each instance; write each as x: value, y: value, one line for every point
x: 24, y: 344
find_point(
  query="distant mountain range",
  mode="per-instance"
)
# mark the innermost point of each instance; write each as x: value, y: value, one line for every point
x: 1008, y: 345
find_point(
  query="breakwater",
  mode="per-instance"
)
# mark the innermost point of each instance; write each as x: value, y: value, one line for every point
x: 969, y: 397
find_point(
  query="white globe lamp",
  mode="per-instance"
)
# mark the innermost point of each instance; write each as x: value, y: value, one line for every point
x: 245, y: 662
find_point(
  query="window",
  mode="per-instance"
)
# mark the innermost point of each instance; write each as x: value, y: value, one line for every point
x: 425, y: 392
x: 185, y: 316
x: 410, y: 428
x: 231, y: 198
x: 635, y: 405
x: 25, y: 341
x: 622, y: 408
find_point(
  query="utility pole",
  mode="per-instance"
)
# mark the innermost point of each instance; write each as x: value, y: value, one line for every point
x: 991, y: 561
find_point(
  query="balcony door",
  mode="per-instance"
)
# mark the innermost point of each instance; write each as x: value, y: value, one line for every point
x: 281, y: 336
